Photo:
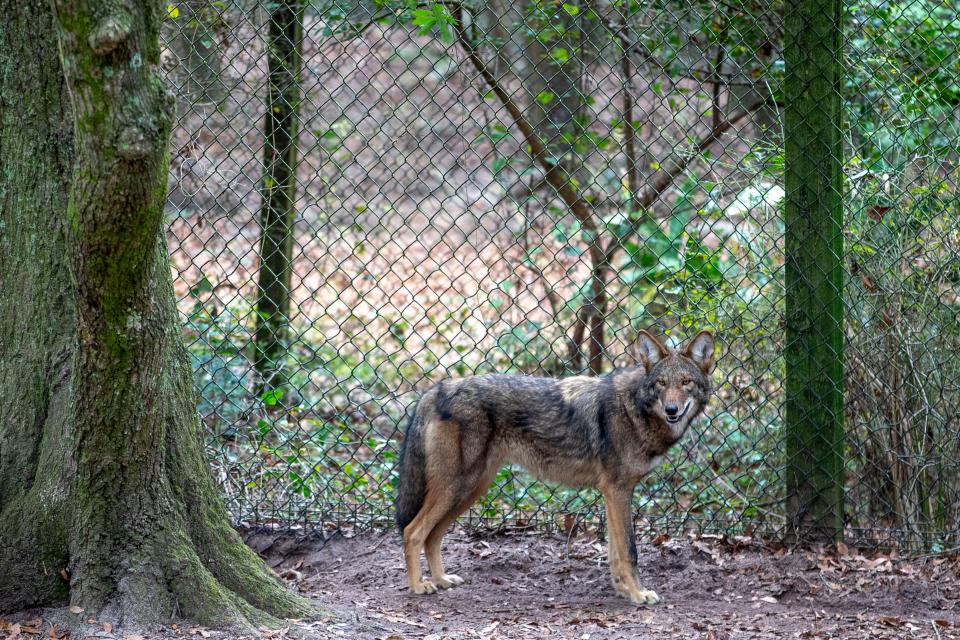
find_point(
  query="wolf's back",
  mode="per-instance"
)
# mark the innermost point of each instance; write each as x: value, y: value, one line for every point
x: 412, y: 484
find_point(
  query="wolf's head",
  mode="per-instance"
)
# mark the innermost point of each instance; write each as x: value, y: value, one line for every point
x: 677, y: 384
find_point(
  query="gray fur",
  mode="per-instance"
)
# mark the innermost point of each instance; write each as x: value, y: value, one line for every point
x: 605, y: 432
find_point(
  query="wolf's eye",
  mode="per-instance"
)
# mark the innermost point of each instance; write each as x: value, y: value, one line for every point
x: 661, y: 383
x: 686, y: 382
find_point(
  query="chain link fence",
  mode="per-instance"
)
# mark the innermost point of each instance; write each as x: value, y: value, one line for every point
x: 369, y: 196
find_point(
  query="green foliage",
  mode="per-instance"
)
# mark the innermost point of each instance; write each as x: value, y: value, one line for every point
x: 707, y: 253
x: 434, y: 18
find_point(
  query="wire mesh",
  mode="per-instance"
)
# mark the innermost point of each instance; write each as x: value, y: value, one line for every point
x: 369, y: 196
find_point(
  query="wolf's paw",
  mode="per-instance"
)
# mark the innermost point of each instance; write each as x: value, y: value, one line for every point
x: 448, y: 580
x: 637, y: 594
x: 642, y: 596
x: 423, y: 588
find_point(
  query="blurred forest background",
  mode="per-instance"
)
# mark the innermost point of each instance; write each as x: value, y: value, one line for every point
x: 365, y: 197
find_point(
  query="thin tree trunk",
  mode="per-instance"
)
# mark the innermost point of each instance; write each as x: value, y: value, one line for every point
x: 598, y: 316
x: 106, y: 499
x: 279, y: 191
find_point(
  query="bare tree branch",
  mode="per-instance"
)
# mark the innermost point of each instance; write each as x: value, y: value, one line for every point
x: 557, y: 176
x: 594, y: 309
x: 554, y: 173
x: 664, y: 178
x: 629, y: 131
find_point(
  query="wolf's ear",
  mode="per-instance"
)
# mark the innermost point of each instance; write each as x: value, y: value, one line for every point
x: 700, y: 350
x: 649, y: 349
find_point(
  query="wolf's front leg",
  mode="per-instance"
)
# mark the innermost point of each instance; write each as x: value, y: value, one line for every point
x: 622, y: 546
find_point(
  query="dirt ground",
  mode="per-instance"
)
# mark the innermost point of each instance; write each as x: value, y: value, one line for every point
x: 528, y: 584
x: 525, y: 584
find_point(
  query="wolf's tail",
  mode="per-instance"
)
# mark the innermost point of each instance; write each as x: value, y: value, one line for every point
x: 413, y: 482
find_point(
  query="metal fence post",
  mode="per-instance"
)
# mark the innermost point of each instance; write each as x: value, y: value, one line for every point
x: 814, y: 270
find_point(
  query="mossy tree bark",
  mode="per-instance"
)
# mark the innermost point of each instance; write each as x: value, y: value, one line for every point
x: 284, y: 59
x: 813, y: 243
x: 106, y: 500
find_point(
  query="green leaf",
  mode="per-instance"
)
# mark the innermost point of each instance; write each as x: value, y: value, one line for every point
x: 271, y: 397
x: 203, y: 286
x: 545, y: 97
x: 173, y: 11
x: 436, y: 17
x: 572, y: 9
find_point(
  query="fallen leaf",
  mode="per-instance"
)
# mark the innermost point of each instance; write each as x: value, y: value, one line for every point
x: 33, y: 627
x: 412, y: 623
x: 892, y: 621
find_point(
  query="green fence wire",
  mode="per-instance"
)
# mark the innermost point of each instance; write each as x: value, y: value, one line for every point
x: 465, y: 174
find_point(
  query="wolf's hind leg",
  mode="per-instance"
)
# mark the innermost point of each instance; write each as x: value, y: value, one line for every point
x: 474, y: 487
x: 622, y: 548
x: 438, y: 574
x: 443, y: 486
x: 438, y: 502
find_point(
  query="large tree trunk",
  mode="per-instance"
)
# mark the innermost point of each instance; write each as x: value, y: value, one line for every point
x: 106, y: 500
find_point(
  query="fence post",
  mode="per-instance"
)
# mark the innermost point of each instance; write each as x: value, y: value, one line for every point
x: 813, y: 244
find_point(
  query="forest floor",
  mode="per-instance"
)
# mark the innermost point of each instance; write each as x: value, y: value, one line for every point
x: 525, y: 584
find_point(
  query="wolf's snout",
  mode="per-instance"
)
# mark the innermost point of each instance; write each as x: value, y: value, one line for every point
x: 671, y: 409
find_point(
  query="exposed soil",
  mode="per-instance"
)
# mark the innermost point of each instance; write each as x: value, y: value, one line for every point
x: 523, y: 584
x: 529, y: 584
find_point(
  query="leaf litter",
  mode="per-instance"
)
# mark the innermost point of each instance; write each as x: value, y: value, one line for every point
x: 526, y: 584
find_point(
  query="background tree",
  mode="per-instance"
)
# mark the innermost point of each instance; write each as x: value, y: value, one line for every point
x: 611, y: 240
x: 196, y: 33
x: 106, y: 498
x: 278, y: 212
